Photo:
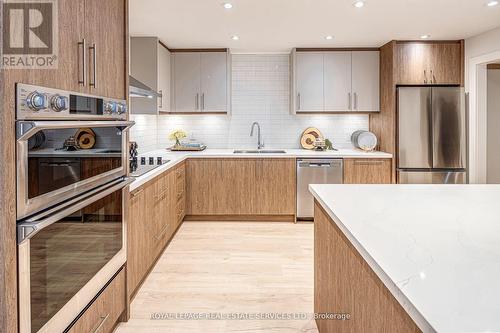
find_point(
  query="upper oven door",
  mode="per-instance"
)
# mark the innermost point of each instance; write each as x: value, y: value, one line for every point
x: 51, y: 168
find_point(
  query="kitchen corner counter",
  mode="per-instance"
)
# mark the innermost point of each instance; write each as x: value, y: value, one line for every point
x: 434, y: 247
x: 177, y: 157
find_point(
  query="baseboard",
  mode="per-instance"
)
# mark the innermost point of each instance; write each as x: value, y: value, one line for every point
x: 237, y: 218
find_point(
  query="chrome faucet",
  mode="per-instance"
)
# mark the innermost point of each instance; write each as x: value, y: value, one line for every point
x: 260, y: 142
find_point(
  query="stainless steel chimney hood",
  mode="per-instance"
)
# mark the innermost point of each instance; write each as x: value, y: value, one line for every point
x: 139, y: 89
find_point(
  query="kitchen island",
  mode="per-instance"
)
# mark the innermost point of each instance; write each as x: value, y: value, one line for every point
x: 407, y: 258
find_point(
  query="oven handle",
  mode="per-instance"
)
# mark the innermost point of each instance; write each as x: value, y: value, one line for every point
x: 26, y: 129
x: 29, y: 228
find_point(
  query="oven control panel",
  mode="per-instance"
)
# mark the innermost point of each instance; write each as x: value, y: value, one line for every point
x: 34, y: 102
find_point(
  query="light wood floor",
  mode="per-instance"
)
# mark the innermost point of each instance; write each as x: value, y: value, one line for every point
x: 226, y: 267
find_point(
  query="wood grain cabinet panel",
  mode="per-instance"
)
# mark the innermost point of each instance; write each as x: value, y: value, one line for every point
x: 105, y: 24
x: 139, y: 256
x: 429, y: 63
x: 102, y: 315
x: 367, y: 171
x: 240, y: 186
x: 155, y: 212
x: 344, y: 283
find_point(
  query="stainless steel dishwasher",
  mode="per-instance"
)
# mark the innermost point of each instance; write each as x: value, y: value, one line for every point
x: 314, y: 171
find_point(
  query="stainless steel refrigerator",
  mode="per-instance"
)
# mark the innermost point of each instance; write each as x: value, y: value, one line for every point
x: 432, y: 135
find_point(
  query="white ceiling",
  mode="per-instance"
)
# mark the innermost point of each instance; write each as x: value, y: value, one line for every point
x: 279, y: 25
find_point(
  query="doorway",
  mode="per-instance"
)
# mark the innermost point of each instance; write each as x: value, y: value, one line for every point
x: 484, y: 118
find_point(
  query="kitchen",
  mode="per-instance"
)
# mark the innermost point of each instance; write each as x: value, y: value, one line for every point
x: 178, y: 167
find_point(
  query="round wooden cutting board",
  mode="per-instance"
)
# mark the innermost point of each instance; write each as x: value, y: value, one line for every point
x: 309, y: 136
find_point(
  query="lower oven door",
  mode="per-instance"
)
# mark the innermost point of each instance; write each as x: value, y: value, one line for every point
x: 57, y: 160
x: 67, y: 255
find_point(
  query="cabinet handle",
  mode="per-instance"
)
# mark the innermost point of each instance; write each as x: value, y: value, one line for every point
x: 433, y: 78
x: 355, y: 101
x: 93, y: 48
x: 368, y: 162
x: 101, y: 324
x: 83, y: 81
x: 162, y: 232
x: 137, y: 193
x: 196, y: 101
x: 298, y: 101
x: 203, y: 101
x: 161, y: 99
x: 425, y: 76
x: 349, y: 97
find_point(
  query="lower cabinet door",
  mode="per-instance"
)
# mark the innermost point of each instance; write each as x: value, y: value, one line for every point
x: 102, y: 315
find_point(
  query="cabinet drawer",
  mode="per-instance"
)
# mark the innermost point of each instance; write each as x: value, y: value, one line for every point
x: 367, y: 171
x: 102, y: 315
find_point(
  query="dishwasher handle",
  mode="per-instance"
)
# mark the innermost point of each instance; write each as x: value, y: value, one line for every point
x: 320, y: 164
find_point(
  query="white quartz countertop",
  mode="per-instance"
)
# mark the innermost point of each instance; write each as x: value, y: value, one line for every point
x: 177, y: 157
x: 435, y: 247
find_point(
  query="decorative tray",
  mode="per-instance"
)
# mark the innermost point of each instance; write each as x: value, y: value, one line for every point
x: 187, y: 148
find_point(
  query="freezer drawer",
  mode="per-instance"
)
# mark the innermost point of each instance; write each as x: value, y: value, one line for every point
x: 315, y: 171
x: 432, y: 177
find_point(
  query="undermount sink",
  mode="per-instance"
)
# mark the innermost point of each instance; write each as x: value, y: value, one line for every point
x: 260, y: 151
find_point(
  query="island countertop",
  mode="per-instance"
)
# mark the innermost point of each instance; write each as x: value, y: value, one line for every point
x: 435, y: 247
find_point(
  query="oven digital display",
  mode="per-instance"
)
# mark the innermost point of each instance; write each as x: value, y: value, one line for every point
x: 85, y: 105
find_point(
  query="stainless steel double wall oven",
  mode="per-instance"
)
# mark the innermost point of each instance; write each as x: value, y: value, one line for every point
x: 71, y: 153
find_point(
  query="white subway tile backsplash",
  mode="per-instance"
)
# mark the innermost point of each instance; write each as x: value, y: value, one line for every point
x: 260, y: 92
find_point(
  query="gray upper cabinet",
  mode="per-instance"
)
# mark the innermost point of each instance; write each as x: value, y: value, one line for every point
x: 200, y: 82
x: 309, y: 73
x: 213, y: 82
x: 186, y: 80
x: 335, y: 81
x: 365, y: 81
x: 150, y: 64
x: 164, y: 79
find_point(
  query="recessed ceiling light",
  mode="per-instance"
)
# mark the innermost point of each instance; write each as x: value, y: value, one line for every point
x: 234, y: 37
x: 492, y: 3
x: 227, y: 5
x: 329, y: 37
x: 359, y: 4
x: 425, y: 36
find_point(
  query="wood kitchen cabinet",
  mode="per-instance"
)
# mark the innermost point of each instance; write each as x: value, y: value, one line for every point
x: 335, y: 81
x: 429, y: 63
x: 156, y: 209
x: 104, y: 312
x: 92, y: 48
x: 105, y: 30
x: 240, y: 187
x: 367, y: 171
x: 200, y: 81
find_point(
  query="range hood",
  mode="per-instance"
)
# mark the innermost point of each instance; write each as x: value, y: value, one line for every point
x: 139, y: 89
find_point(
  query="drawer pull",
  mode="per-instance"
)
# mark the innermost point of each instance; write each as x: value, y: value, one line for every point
x: 101, y: 324
x: 161, y: 195
x: 368, y: 162
x: 162, y: 232
x: 137, y: 193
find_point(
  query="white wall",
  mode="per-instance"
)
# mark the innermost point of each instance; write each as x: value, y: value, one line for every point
x: 493, y: 145
x: 260, y: 92
x: 479, y: 50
